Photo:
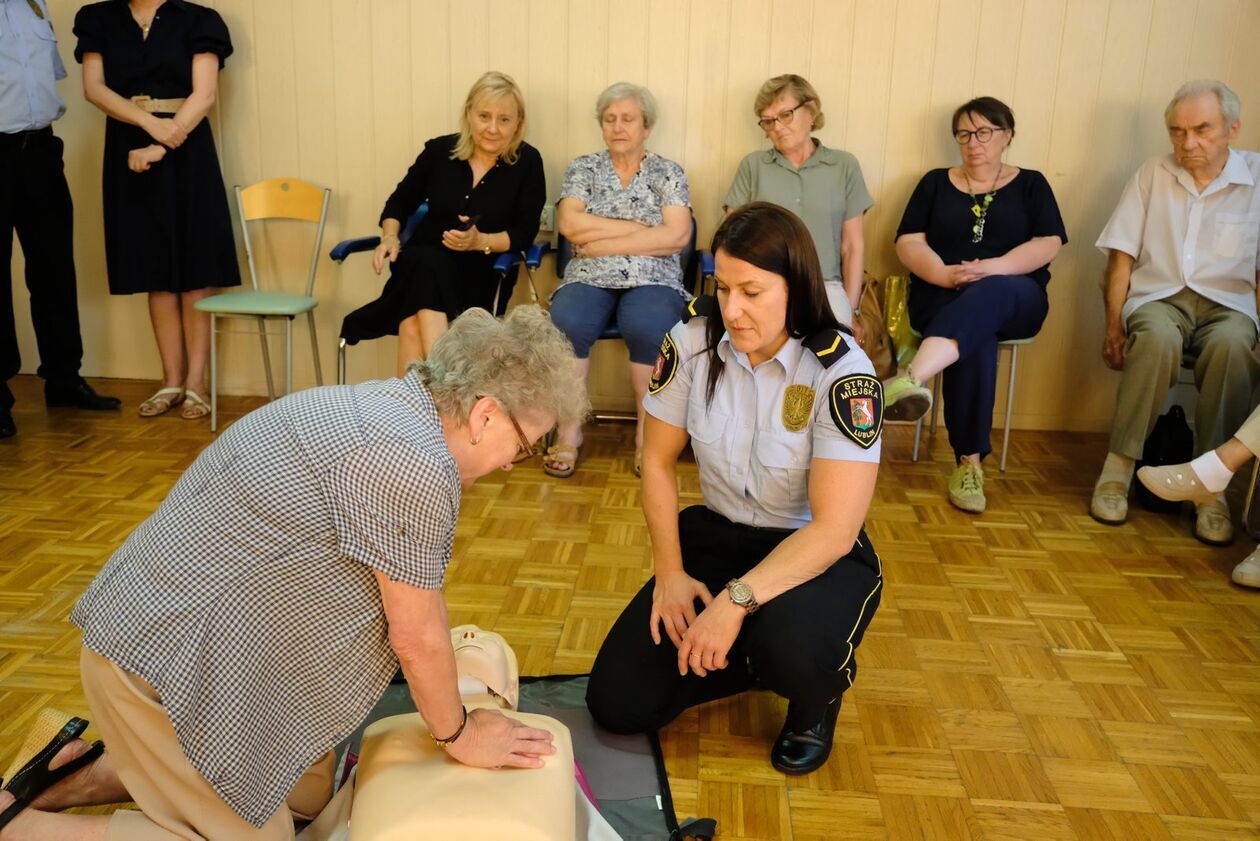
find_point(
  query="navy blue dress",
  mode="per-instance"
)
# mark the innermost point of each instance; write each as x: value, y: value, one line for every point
x: 167, y: 229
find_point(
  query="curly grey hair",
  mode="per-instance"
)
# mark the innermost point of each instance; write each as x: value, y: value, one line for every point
x: 523, y: 361
x: 626, y: 90
x: 1231, y: 108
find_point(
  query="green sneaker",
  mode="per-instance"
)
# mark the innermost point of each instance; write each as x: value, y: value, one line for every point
x: 906, y: 399
x: 966, y: 488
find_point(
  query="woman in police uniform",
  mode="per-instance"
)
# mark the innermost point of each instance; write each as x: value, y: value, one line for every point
x: 772, y: 581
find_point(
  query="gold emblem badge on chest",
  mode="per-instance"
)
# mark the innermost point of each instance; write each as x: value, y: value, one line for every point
x: 798, y: 404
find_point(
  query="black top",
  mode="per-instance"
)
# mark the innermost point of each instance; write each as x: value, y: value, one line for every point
x: 1021, y: 210
x: 156, y: 66
x: 508, y: 198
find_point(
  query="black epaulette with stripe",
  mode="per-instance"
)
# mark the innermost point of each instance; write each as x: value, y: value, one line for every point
x: 702, y: 306
x: 828, y: 345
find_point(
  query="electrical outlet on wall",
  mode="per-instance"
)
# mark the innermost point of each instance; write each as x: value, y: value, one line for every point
x: 548, y: 218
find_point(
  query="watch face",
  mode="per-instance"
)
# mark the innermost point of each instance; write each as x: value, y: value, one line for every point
x: 741, y: 593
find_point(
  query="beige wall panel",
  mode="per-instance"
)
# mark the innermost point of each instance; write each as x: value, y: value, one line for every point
x: 344, y: 93
x: 871, y: 46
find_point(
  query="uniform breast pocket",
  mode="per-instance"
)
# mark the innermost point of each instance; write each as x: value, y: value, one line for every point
x: 707, y: 431
x: 1236, y: 234
x: 786, y: 457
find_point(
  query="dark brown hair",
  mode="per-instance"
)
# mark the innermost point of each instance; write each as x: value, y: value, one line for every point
x: 994, y: 110
x: 774, y: 240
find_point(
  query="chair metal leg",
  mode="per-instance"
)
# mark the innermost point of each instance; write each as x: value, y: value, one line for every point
x: 1251, y: 495
x: 936, y: 399
x: 310, y: 322
x: 918, y: 434
x: 341, y: 361
x: 214, y: 373
x: 1010, y: 404
x: 266, y: 352
x: 288, y: 356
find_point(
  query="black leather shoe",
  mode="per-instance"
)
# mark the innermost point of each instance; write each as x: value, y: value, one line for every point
x: 79, y: 395
x: 800, y: 751
x: 7, y: 427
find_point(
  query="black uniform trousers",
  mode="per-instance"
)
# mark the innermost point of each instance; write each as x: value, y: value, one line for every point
x: 35, y: 202
x: 801, y: 645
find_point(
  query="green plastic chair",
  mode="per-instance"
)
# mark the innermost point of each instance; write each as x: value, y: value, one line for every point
x: 275, y: 198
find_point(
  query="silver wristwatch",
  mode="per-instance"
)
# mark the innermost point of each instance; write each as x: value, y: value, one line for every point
x: 742, y: 595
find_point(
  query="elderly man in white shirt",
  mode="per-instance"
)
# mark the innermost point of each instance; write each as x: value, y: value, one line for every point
x: 1182, y: 272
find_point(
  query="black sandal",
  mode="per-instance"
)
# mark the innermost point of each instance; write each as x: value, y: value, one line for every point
x: 35, y: 777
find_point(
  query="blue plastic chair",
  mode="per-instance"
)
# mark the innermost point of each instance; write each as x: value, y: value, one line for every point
x: 504, y: 265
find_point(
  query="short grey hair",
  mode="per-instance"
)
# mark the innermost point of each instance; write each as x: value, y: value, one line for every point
x: 523, y: 361
x: 1231, y: 107
x: 627, y: 90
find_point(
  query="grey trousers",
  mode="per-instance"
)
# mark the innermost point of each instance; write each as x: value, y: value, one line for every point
x: 1226, y: 370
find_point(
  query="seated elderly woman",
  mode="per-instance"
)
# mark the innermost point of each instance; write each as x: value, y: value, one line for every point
x: 249, y: 625
x: 978, y: 240
x: 627, y: 212
x: 822, y: 186
x: 773, y: 580
x: 485, y: 190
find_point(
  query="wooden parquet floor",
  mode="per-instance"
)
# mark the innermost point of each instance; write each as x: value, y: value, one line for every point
x: 1031, y: 674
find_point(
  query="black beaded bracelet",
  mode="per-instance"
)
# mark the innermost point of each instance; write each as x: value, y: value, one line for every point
x: 444, y: 742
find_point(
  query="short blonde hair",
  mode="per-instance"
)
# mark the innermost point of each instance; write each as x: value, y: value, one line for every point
x: 491, y: 85
x: 523, y: 361
x: 799, y: 88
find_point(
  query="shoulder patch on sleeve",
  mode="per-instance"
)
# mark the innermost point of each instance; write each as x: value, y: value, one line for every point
x: 665, y: 367
x: 702, y: 306
x: 857, y: 408
x: 828, y: 345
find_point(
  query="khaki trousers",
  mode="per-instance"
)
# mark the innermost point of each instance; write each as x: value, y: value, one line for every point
x: 1225, y: 369
x: 175, y: 801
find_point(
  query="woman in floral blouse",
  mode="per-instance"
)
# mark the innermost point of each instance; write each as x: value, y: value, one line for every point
x: 627, y: 213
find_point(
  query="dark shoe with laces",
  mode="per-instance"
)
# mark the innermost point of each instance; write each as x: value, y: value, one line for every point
x: 7, y: 427
x: 78, y: 395
x: 802, y: 748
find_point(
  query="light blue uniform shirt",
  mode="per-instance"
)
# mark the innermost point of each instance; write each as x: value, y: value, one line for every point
x: 29, y: 68
x: 753, y: 469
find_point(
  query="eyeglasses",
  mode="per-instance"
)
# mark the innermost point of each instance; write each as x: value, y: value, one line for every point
x: 984, y: 134
x: 524, y: 448
x: 784, y: 116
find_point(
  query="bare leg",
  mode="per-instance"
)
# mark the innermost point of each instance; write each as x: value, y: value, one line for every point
x: 32, y: 825
x: 1233, y: 454
x: 571, y: 436
x: 164, y: 313
x: 409, y: 348
x: 94, y: 785
x: 974, y: 458
x: 196, y: 339
x: 432, y: 325
x: 639, y: 376
x: 935, y: 355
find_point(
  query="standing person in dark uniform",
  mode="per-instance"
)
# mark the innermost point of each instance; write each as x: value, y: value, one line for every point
x: 153, y: 68
x: 485, y: 190
x: 772, y: 581
x: 35, y: 201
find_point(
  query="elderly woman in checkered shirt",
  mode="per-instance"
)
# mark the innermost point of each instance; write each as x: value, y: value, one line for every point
x: 251, y: 623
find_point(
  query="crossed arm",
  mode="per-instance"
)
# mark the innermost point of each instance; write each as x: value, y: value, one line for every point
x: 916, y: 255
x: 599, y: 236
x: 168, y: 132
